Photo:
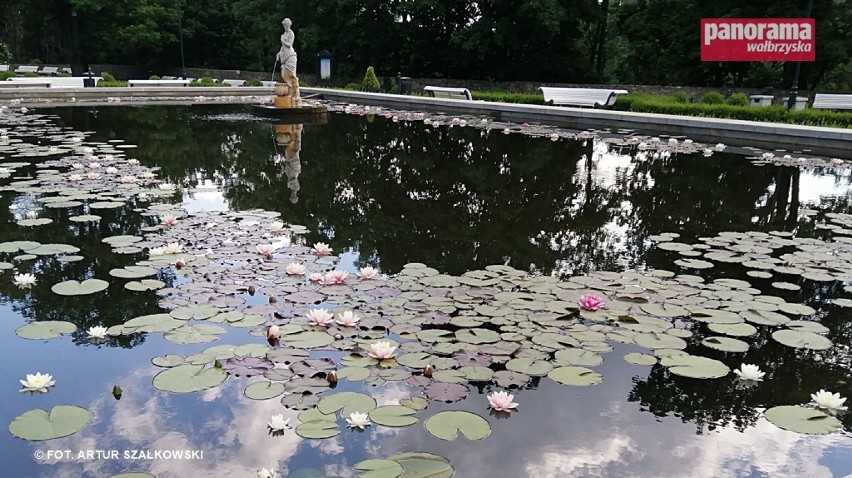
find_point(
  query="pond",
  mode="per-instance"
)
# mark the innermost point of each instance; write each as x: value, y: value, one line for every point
x: 488, y: 247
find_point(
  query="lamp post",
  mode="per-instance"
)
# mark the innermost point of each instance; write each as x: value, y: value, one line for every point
x: 180, y: 35
x: 794, y: 88
x: 75, y: 31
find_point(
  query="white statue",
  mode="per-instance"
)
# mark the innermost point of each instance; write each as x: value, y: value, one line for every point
x: 287, y: 57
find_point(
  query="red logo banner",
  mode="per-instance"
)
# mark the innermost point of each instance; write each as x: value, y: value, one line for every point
x: 758, y: 39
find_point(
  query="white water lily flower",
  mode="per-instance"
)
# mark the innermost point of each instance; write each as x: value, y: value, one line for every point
x: 295, y: 269
x: 750, y: 372
x: 133, y: 162
x: 32, y: 214
x: 112, y: 170
x: 276, y: 226
x: 37, y: 383
x: 94, y: 176
x: 166, y: 187
x: 75, y: 177
x: 358, y: 420
x: 24, y: 281
x: 381, y: 350
x: 128, y: 179
x: 97, y: 332
x: 264, y: 473
x: 830, y: 402
x: 320, y: 317
x: 173, y: 248
x: 147, y: 175
x: 156, y: 251
x: 279, y: 423
x: 78, y: 166
x: 94, y: 165
x: 267, y: 249
x: 348, y: 319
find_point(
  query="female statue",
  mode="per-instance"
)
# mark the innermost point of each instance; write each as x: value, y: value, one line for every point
x: 287, y: 57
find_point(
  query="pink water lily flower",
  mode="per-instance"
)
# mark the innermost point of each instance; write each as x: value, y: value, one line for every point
x: 335, y: 277
x: 315, y: 277
x: 321, y: 249
x: 368, y: 273
x: 320, y: 317
x: 381, y: 350
x: 169, y: 220
x: 295, y: 269
x: 128, y: 179
x: 273, y: 332
x: 502, y: 402
x: 591, y: 302
x: 348, y: 319
x: 265, y: 249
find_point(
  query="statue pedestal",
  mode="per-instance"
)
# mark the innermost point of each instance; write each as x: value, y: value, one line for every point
x: 289, y: 109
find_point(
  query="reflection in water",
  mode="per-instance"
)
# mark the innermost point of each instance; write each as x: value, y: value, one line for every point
x: 457, y: 199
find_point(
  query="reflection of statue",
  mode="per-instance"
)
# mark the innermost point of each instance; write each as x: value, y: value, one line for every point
x: 287, y: 57
x: 290, y: 138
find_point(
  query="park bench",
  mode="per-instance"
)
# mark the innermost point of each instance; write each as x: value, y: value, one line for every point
x: 26, y: 69
x: 38, y: 83
x: 4, y: 67
x: 58, y: 82
x: 591, y: 97
x: 132, y: 83
x: 49, y: 70
x: 66, y: 70
x: 268, y: 83
x: 450, y: 93
x: 164, y: 77
x: 234, y: 82
x: 827, y: 101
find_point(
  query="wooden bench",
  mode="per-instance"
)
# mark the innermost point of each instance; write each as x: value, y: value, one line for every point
x: 450, y: 93
x: 132, y: 83
x: 49, y: 70
x: 590, y: 97
x: 26, y: 69
x: 234, y: 82
x: 25, y: 84
x: 826, y: 101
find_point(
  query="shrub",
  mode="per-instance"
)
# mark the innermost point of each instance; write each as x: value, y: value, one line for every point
x: 504, y: 97
x: 254, y: 82
x: 31, y: 74
x: 681, y: 97
x: 5, y: 75
x: 5, y: 54
x: 371, y: 82
x: 206, y: 81
x: 108, y: 77
x: 713, y: 98
x: 154, y: 77
x: 394, y: 90
x: 114, y: 83
x: 738, y: 99
x: 352, y: 87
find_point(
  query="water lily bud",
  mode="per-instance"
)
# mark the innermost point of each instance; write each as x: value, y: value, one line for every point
x: 332, y: 376
x: 272, y: 299
x: 338, y: 337
x: 116, y: 392
x: 273, y: 332
x: 180, y: 263
x: 251, y: 290
x: 217, y: 364
x: 427, y: 371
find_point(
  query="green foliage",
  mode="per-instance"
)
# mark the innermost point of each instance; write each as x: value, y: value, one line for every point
x: 154, y: 77
x: 352, y: 87
x: 112, y: 84
x: 5, y: 54
x: 108, y: 77
x: 30, y: 74
x: 681, y: 97
x: 63, y: 74
x: 713, y: 98
x: 254, y: 82
x: 738, y: 99
x: 394, y: 90
x: 503, y: 97
x: 206, y: 81
x: 371, y: 82
x: 5, y: 75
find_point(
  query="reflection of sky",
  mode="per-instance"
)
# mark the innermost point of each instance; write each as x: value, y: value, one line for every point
x: 207, y: 196
x: 814, y: 186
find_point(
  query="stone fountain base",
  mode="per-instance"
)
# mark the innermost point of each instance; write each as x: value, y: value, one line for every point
x: 290, y: 110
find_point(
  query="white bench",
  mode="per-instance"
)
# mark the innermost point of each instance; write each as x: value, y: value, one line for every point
x: 38, y: 83
x: 4, y: 67
x: 157, y: 83
x: 26, y: 69
x: 234, y: 82
x: 591, y: 97
x: 268, y: 83
x: 168, y: 77
x: 826, y: 101
x: 59, y: 81
x: 66, y: 70
x: 49, y: 70
x: 451, y: 93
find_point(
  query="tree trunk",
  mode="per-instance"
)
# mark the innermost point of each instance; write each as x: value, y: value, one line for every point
x: 66, y: 17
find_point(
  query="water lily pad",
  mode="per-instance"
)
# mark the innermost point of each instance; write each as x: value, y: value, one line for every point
x: 446, y: 392
x: 85, y: 218
x: 424, y: 465
x: 41, y: 221
x: 38, y: 425
x: 801, y: 339
x: 736, y: 330
x: 199, y: 312
x: 167, y: 361
x: 477, y: 336
x: 802, y: 420
x: 349, y: 402
x: 510, y: 379
x: 143, y: 285
x: 576, y: 376
x: 694, y: 366
x: 264, y: 390
x: 580, y: 357
x: 318, y: 429
x: 447, y: 425
x: 394, y: 416
x: 299, y: 401
x: 189, y: 378
x: 308, y: 339
x: 725, y: 344
x: 379, y: 468
x: 637, y: 358
x: 353, y: 374
x: 44, y: 330
x: 664, y: 310
x: 247, y: 366
x: 86, y: 287
x: 531, y: 367
x: 133, y: 272
x: 194, y: 333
